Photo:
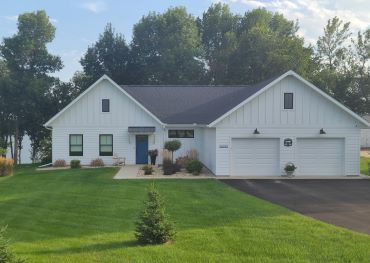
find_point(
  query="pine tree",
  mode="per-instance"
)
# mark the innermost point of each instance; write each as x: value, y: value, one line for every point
x: 153, y: 225
x: 6, y: 255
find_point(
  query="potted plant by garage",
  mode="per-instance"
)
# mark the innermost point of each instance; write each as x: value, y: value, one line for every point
x: 153, y: 156
x: 289, y: 169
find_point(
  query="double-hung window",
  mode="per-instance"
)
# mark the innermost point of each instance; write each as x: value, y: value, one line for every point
x: 75, y: 145
x: 106, y: 145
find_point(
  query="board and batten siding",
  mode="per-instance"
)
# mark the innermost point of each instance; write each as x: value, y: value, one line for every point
x: 86, y: 117
x: 266, y: 113
x: 208, y: 153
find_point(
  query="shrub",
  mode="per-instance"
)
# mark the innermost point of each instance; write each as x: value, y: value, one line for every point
x: 192, y: 154
x: 97, y: 162
x: 75, y: 164
x: 194, y: 167
x: 148, y: 169
x: 172, y: 146
x: 182, y: 161
x: 6, y: 255
x: 3, y: 152
x: 60, y: 163
x: 169, y: 167
x: 290, y: 167
x: 153, y: 225
x: 6, y: 167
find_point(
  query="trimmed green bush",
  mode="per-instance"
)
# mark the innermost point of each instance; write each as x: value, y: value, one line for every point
x: 169, y: 167
x: 172, y: 146
x: 6, y: 255
x: 153, y: 225
x: 194, y: 167
x: 75, y: 164
x: 148, y: 169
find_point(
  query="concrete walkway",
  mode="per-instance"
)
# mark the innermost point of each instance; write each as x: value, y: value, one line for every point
x: 128, y: 172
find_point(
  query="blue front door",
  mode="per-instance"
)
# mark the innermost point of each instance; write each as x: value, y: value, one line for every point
x: 141, y: 149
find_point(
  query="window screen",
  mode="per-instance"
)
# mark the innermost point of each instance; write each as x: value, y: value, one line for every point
x: 75, y: 145
x: 106, y: 145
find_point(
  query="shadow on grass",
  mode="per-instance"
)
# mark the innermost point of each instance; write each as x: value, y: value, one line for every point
x: 89, y: 248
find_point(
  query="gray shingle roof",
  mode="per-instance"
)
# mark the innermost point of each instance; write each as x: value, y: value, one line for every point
x: 174, y: 104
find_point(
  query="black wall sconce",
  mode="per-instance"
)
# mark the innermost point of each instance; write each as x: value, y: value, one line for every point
x: 322, y: 131
x: 256, y: 131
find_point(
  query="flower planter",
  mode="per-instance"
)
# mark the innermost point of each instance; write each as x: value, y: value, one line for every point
x: 290, y: 174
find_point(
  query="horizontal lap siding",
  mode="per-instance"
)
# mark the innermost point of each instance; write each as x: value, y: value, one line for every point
x: 85, y: 117
x: 186, y: 143
x: 311, y: 113
x: 123, y: 144
x: 287, y: 154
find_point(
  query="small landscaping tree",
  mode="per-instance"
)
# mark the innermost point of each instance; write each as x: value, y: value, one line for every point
x: 172, y: 146
x: 153, y: 225
x: 6, y: 255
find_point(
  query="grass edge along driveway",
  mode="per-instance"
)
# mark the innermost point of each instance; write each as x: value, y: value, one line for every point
x: 85, y: 216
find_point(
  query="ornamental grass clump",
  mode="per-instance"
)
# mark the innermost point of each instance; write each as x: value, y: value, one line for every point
x: 6, y: 166
x: 153, y: 225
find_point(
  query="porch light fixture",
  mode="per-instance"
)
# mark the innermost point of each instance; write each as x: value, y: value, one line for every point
x: 256, y: 131
x: 322, y: 131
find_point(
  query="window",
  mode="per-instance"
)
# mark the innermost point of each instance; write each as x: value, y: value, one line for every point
x: 106, y: 145
x: 75, y: 145
x: 180, y: 133
x: 105, y: 105
x: 288, y: 101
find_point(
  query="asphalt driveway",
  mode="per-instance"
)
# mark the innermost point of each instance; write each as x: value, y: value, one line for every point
x: 344, y: 203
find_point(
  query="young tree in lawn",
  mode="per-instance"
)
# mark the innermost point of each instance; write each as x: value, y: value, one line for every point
x: 6, y: 255
x: 153, y: 225
x: 29, y: 64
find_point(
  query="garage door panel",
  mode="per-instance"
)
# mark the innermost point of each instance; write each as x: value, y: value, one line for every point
x: 320, y: 156
x: 253, y: 157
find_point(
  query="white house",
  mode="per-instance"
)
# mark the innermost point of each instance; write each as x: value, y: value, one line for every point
x: 365, y: 135
x: 238, y: 130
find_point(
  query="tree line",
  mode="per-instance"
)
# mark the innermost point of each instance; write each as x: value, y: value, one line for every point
x: 175, y: 47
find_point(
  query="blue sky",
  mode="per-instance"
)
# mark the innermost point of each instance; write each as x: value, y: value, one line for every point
x: 79, y: 23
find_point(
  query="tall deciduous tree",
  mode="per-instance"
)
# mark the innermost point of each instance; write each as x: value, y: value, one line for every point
x: 29, y: 63
x: 267, y: 45
x: 218, y: 28
x: 109, y: 55
x: 166, y: 49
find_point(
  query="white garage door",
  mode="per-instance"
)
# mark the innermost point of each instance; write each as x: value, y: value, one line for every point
x: 255, y: 157
x: 320, y: 157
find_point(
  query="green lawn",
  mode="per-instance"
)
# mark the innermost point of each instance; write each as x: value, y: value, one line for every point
x: 364, y: 165
x: 85, y: 216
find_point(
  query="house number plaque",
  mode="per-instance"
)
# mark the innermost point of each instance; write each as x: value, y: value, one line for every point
x: 288, y: 142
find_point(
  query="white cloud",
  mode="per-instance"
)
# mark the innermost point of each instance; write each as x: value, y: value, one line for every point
x: 53, y: 20
x: 314, y: 14
x: 11, y: 18
x: 71, y: 60
x: 95, y: 7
